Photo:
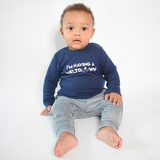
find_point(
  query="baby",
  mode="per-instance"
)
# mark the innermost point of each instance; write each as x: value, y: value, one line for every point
x: 82, y: 69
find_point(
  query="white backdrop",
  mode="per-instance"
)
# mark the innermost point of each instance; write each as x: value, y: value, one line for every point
x: 129, y: 31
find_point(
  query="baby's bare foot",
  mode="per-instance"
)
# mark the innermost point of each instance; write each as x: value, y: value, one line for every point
x: 66, y: 142
x: 109, y: 135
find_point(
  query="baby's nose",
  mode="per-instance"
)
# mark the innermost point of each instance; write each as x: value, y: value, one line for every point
x: 77, y: 33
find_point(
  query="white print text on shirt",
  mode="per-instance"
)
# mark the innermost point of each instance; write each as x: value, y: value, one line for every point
x: 80, y: 67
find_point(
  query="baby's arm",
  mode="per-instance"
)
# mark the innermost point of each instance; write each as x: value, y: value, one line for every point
x: 50, y: 84
x: 46, y: 111
x: 115, y: 97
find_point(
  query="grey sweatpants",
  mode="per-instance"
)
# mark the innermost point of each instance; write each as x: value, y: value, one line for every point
x: 65, y: 110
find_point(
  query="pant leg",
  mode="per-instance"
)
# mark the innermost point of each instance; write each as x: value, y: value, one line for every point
x: 111, y: 115
x: 63, y: 116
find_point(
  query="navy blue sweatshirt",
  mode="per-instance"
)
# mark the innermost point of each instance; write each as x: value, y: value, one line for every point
x: 82, y: 74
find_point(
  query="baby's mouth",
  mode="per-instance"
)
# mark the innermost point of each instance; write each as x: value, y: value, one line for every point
x: 77, y: 41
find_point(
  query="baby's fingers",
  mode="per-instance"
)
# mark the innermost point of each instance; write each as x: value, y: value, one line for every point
x: 118, y: 101
x: 106, y: 96
x: 46, y: 111
x: 115, y: 101
x: 111, y: 99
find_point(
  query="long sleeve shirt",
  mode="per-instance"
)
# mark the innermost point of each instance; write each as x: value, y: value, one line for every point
x: 82, y: 74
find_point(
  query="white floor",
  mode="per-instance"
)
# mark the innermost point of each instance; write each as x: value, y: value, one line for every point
x: 29, y: 36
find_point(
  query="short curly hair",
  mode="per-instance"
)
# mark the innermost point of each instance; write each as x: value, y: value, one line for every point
x: 77, y: 7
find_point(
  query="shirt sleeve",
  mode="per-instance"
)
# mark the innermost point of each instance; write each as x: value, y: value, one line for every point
x: 110, y: 74
x: 50, y: 83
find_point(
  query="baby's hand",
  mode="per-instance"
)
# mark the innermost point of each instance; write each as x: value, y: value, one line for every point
x: 115, y: 97
x: 46, y: 111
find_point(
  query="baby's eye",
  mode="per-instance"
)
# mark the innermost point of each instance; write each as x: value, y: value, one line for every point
x: 70, y: 28
x: 84, y: 29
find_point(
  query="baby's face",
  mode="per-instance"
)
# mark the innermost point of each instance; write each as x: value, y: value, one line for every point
x: 77, y: 29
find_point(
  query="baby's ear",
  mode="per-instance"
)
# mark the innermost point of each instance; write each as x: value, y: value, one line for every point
x: 61, y: 31
x: 93, y: 31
